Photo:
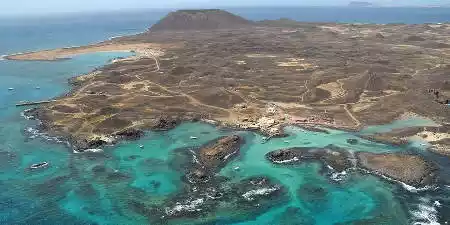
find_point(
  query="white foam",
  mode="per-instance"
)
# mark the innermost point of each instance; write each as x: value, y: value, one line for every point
x: 190, y: 207
x: 295, y: 159
x: 339, y: 176
x: 25, y: 116
x: 229, y: 155
x: 404, y: 185
x: 94, y: 150
x: 249, y: 196
x: 426, y: 214
x: 194, y: 157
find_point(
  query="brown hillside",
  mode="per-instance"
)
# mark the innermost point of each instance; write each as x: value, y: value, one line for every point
x: 200, y: 20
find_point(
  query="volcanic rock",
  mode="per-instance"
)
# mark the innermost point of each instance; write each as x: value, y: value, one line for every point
x: 331, y: 156
x: 199, y: 20
x: 216, y: 154
x: 409, y: 169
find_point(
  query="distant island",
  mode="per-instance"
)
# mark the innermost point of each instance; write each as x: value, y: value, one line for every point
x: 359, y: 4
x: 217, y: 67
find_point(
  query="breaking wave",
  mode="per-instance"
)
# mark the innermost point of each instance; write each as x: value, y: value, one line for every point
x: 250, y: 195
x: 192, y: 206
x: 426, y: 212
x: 295, y: 159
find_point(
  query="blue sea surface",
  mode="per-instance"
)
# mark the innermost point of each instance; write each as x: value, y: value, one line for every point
x: 122, y: 184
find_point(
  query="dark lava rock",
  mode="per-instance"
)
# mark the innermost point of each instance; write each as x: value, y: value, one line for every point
x: 131, y: 134
x: 165, y: 123
x: 216, y: 154
x: 352, y: 141
x: 84, y: 144
x: 312, y: 192
x: 315, y: 129
x: 98, y: 170
x: 198, y: 176
x: 86, y: 190
x: 332, y: 156
x: 386, y: 139
x: 409, y: 169
x: 117, y: 177
x: 133, y: 157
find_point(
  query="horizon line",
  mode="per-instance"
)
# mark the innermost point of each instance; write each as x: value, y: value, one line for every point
x: 168, y: 9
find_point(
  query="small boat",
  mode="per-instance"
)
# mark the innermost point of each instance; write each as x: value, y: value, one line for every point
x: 141, y: 146
x: 10, y: 89
x: 286, y: 142
x: 236, y: 168
x: 38, y: 87
x: 39, y: 165
x: 193, y: 137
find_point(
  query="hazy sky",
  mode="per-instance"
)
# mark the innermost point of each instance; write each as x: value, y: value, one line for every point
x: 21, y: 7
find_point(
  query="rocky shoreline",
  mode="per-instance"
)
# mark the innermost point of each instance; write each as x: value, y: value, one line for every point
x: 412, y: 170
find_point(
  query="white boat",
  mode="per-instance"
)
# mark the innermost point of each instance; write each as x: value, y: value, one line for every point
x: 38, y: 88
x: 193, y: 137
x: 10, y: 89
x: 39, y: 165
x: 141, y: 146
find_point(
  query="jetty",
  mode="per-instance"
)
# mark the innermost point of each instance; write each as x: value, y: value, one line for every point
x: 27, y: 103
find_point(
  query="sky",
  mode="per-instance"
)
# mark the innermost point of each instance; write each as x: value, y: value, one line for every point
x: 33, y: 7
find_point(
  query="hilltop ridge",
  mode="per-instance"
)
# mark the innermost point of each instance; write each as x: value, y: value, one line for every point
x: 204, y: 19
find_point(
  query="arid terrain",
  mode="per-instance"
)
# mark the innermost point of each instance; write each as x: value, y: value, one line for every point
x: 255, y: 75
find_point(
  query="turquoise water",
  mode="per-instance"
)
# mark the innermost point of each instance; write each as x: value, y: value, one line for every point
x: 125, y: 184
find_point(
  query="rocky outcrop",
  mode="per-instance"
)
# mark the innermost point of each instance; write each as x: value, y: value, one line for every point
x: 352, y: 141
x: 385, y: 138
x: 219, y: 152
x: 334, y: 157
x: 165, y: 123
x: 131, y: 134
x: 410, y: 169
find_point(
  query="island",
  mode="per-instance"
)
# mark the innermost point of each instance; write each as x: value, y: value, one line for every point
x: 359, y: 4
x: 219, y: 68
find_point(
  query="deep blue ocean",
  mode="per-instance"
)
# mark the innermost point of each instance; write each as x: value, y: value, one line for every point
x: 71, y: 191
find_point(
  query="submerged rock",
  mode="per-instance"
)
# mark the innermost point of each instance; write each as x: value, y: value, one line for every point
x: 258, y: 188
x: 410, y: 169
x: 332, y: 156
x: 352, y: 141
x: 198, y: 176
x: 216, y: 154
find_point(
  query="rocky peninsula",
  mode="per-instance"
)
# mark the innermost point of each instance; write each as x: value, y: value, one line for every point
x: 409, y: 169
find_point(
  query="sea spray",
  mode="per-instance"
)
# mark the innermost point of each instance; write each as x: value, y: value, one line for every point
x: 426, y: 212
x: 188, y: 206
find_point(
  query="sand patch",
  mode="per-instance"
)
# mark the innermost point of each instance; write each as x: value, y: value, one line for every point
x: 144, y: 49
x: 429, y: 136
x: 260, y: 56
x: 334, y: 88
